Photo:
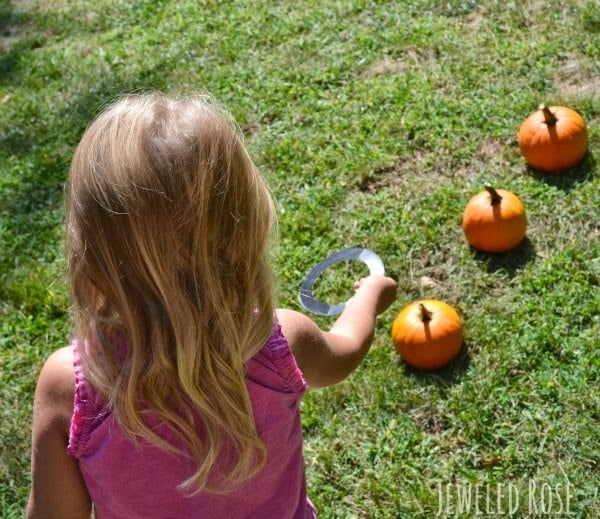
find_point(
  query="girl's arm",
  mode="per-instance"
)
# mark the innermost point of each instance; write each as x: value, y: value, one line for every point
x: 326, y: 358
x: 57, y: 487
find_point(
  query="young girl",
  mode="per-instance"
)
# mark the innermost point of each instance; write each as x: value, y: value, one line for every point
x: 180, y: 396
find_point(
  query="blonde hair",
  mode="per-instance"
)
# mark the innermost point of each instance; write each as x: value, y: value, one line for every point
x: 168, y: 223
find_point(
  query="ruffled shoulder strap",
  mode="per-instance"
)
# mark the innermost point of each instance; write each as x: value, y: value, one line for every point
x: 275, y: 365
x: 88, y: 411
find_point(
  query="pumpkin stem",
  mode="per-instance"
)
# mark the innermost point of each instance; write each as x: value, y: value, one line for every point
x: 494, y: 195
x: 549, y: 118
x: 425, y: 314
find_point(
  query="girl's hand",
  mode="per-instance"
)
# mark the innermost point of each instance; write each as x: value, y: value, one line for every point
x: 382, y: 287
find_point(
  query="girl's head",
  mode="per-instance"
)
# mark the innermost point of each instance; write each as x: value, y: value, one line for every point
x: 168, y: 222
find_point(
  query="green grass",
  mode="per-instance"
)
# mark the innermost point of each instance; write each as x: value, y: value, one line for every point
x: 374, y: 122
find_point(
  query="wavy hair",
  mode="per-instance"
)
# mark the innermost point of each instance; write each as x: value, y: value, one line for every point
x: 167, y: 230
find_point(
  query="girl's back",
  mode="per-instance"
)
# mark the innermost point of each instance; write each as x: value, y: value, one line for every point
x: 142, y: 481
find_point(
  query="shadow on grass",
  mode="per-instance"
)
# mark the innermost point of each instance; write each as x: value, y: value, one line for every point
x: 570, y: 178
x: 511, y: 261
x: 31, y: 201
x: 44, y: 164
x: 16, y: 38
x: 448, y: 375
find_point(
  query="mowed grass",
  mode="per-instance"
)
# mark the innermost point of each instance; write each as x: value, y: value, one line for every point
x: 374, y: 123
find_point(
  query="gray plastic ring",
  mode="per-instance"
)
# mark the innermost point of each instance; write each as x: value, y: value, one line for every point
x: 307, y: 300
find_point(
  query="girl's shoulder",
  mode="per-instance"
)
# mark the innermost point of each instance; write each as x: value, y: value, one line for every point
x: 57, y: 487
x: 55, y: 389
x: 306, y: 340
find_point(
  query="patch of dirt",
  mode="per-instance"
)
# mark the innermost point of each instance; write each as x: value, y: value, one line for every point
x: 578, y: 77
x: 422, y: 170
x: 429, y: 420
x: 427, y: 171
x: 474, y: 20
x: 489, y: 149
x: 10, y: 34
x: 436, y: 276
x: 24, y: 5
x: 386, y: 66
x: 490, y: 152
x: 411, y: 57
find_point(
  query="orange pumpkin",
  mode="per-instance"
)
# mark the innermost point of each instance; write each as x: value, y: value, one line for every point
x: 553, y: 138
x: 427, y: 334
x: 494, y: 220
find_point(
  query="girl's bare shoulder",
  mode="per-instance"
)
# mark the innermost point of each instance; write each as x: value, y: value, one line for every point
x: 56, y: 385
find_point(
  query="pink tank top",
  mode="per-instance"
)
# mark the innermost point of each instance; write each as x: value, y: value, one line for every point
x: 129, y: 481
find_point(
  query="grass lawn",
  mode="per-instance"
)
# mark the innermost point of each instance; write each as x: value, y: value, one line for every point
x: 374, y: 123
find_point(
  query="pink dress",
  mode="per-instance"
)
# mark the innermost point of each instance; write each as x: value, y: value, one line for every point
x: 129, y: 481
